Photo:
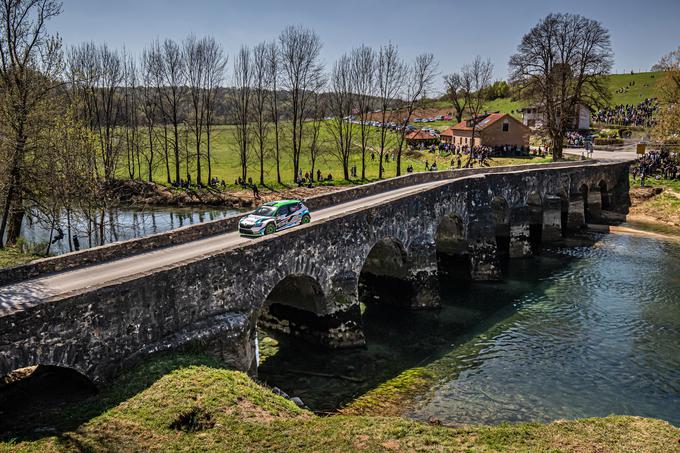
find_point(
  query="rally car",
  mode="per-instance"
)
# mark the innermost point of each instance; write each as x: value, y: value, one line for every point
x: 274, y: 216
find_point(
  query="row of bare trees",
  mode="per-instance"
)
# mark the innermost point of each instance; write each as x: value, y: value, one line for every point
x: 367, y: 80
x: 172, y: 87
x: 138, y: 117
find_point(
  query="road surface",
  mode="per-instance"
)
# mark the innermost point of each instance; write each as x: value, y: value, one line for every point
x: 21, y: 295
x: 626, y: 153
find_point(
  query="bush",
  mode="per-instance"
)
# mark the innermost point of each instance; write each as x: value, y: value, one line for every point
x: 609, y: 133
x: 625, y: 132
x: 608, y: 141
x: 31, y: 248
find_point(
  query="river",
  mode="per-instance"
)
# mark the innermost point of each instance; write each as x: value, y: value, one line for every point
x: 589, y: 328
x: 123, y: 223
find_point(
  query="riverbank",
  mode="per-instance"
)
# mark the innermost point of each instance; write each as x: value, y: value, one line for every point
x: 144, y: 193
x: 14, y: 256
x: 191, y: 403
x: 658, y: 202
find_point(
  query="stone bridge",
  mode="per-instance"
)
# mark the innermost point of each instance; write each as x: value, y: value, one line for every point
x: 393, y: 248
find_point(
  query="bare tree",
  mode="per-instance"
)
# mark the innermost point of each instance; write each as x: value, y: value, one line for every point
x: 364, y: 67
x: 302, y: 76
x: 558, y: 65
x: 156, y: 67
x: 318, y: 113
x: 668, y: 62
x: 150, y: 105
x: 215, y: 62
x: 390, y: 72
x: 195, y: 75
x: 273, y: 58
x: 261, y: 95
x: 342, y: 101
x: 131, y: 119
x: 99, y: 76
x: 243, y: 79
x: 173, y: 92
x: 476, y: 78
x: 454, y: 87
x: 418, y: 80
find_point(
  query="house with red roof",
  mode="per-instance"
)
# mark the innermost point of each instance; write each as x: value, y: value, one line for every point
x: 418, y: 137
x: 495, y: 130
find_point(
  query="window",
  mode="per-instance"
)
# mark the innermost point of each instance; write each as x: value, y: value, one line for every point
x: 283, y: 211
x: 506, y: 126
x: 265, y: 211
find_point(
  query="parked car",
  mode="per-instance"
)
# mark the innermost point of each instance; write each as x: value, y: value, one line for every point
x: 274, y: 216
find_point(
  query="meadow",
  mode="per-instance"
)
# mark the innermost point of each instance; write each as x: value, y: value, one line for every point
x: 226, y: 163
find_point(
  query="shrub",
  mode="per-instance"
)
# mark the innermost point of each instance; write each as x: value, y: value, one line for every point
x: 608, y: 141
x: 609, y: 133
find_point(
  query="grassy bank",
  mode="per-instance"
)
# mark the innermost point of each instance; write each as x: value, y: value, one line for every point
x: 659, y: 201
x: 13, y: 256
x: 189, y: 404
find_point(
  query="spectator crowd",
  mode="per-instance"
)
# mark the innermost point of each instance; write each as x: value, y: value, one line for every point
x: 641, y: 114
x: 657, y: 164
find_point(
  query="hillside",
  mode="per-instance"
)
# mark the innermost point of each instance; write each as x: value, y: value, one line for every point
x: 622, y: 92
x: 180, y: 403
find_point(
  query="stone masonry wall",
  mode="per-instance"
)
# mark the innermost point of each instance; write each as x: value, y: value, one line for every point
x: 215, y: 301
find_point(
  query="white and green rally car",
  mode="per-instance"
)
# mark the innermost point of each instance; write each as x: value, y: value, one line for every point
x: 274, y: 216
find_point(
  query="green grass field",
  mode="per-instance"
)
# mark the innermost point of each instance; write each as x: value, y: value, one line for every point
x: 644, y: 84
x: 226, y: 165
x: 191, y: 403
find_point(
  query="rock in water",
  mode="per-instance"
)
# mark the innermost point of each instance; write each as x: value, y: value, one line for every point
x: 278, y: 391
x: 298, y: 402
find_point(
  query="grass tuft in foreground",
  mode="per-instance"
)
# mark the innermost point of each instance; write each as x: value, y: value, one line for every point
x: 199, y: 406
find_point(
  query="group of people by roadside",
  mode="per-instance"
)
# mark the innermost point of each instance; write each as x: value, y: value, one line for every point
x: 658, y: 164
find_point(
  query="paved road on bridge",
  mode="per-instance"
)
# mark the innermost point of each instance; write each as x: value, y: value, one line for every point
x: 28, y: 293
x: 625, y: 153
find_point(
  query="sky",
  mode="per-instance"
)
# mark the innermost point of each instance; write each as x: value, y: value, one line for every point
x: 454, y: 31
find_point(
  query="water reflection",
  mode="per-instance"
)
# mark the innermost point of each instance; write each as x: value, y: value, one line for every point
x: 579, y: 331
x: 119, y: 225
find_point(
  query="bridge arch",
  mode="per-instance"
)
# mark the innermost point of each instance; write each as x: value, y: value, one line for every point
x: 28, y: 389
x: 384, y: 275
x: 453, y: 251
x: 297, y: 305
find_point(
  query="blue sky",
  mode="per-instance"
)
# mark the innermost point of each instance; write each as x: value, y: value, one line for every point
x: 455, y: 31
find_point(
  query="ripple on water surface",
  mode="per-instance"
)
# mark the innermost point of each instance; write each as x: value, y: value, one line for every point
x: 599, y: 336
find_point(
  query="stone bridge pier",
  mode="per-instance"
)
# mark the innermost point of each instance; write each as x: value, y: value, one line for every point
x: 309, y: 282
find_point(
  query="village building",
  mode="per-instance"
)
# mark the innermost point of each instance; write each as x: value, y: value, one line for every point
x: 536, y: 117
x: 419, y: 138
x: 495, y: 130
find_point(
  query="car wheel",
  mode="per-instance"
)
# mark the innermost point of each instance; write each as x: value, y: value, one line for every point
x: 306, y: 219
x: 270, y: 229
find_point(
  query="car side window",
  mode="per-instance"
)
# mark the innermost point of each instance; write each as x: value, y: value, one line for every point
x: 296, y: 207
x: 283, y: 211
